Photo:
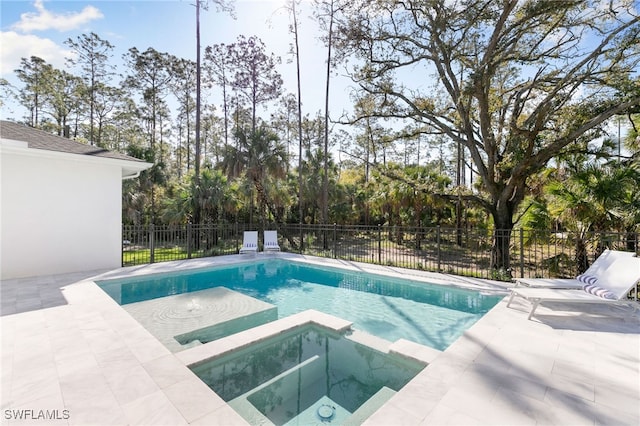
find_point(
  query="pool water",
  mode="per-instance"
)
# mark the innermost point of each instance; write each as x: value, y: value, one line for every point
x: 390, y: 308
x: 307, y: 376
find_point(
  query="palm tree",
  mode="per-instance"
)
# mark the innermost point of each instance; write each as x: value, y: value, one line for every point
x: 257, y: 156
x: 210, y: 195
x: 592, y: 198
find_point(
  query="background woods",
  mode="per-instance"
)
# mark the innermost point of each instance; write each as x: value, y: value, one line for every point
x: 465, y: 114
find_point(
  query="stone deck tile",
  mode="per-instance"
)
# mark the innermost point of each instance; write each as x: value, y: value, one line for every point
x: 67, y: 345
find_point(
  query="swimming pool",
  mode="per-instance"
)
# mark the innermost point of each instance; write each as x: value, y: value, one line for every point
x: 388, y: 307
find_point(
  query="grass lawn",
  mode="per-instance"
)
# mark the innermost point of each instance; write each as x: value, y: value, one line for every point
x: 139, y: 256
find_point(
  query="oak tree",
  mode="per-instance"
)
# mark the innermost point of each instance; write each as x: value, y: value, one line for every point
x: 513, y: 82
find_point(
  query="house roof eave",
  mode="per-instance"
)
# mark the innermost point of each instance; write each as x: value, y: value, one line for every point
x: 130, y: 169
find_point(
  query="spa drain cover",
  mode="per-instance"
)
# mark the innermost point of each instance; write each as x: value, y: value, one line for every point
x: 326, y: 412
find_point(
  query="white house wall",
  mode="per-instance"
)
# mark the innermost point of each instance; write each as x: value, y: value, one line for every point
x: 58, y: 214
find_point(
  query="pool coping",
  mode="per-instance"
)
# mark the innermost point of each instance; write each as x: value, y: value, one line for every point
x: 199, y: 354
x: 416, y: 275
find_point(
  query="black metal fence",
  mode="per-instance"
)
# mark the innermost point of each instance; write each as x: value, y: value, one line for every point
x: 457, y: 251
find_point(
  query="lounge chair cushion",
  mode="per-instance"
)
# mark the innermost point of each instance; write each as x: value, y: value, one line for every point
x: 587, y: 279
x: 599, y: 291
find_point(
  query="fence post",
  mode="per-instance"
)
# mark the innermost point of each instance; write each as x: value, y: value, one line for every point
x: 237, y: 236
x: 301, y: 239
x: 152, y: 235
x: 521, y: 253
x: 394, y: 239
x: 335, y: 240
x: 379, y: 244
x: 438, y: 247
x: 189, y: 240
x: 124, y: 237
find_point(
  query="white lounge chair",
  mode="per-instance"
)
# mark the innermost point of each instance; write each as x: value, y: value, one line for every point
x: 612, y: 286
x: 271, y: 241
x: 595, y: 270
x: 249, y: 242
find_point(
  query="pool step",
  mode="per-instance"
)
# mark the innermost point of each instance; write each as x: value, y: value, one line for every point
x: 248, y: 411
x: 334, y: 414
x: 370, y: 406
x: 226, y: 328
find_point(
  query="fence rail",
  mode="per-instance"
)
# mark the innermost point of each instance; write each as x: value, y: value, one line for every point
x: 464, y: 252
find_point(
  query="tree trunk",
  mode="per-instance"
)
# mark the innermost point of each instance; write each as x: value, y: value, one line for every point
x: 325, y: 177
x: 197, y: 214
x: 503, y: 221
x: 631, y: 240
x: 582, y: 257
x: 295, y: 27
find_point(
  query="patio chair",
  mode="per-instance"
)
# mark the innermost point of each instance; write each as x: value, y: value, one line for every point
x: 595, y: 270
x: 271, y: 241
x: 612, y: 286
x: 249, y: 242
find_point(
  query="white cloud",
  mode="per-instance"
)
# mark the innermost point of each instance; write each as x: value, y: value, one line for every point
x: 43, y: 20
x: 17, y: 46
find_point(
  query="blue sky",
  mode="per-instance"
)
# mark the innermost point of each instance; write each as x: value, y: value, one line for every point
x: 38, y: 27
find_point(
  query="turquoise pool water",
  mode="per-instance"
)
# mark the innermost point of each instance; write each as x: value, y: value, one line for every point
x: 305, y: 377
x: 390, y: 308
